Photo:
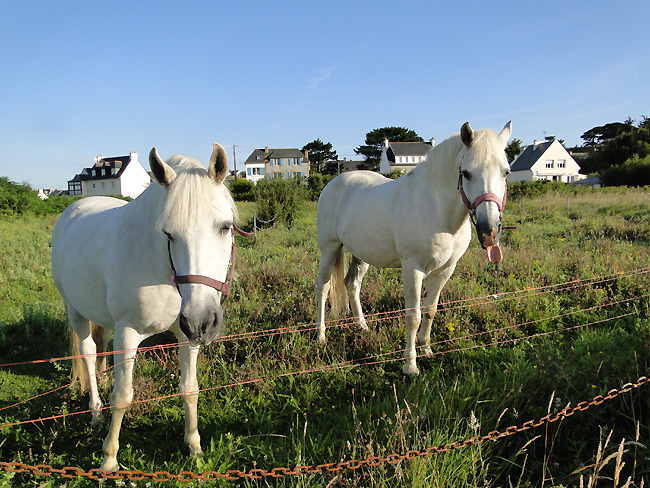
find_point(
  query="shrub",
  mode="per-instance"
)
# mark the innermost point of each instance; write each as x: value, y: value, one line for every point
x: 315, y: 183
x: 634, y: 172
x: 279, y: 199
x: 242, y: 190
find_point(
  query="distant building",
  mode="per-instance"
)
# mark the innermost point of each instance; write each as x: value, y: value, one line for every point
x: 403, y: 156
x: 344, y: 165
x: 122, y: 175
x: 276, y: 163
x: 545, y: 160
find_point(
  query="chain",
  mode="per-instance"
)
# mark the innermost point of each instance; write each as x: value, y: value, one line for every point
x: 373, y: 461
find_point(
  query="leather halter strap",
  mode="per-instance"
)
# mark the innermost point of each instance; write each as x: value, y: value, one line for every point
x: 222, y: 286
x: 485, y: 197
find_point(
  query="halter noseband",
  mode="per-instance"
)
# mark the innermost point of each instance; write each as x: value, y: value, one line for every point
x: 222, y: 286
x: 485, y: 197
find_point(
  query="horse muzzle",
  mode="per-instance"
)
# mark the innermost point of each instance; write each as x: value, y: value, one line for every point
x: 202, y: 328
x: 489, y: 235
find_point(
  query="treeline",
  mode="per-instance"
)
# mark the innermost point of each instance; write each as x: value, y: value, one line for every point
x: 619, y: 152
x: 19, y: 199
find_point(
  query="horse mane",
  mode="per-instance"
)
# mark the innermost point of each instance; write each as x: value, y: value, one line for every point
x: 192, y: 196
x: 485, y: 144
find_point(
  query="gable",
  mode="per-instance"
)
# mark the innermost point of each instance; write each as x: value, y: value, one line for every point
x: 538, y: 154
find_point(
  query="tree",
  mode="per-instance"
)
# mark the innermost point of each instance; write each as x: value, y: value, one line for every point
x: 375, y: 140
x: 628, y: 141
x: 319, y: 153
x: 513, y: 149
x: 602, y: 133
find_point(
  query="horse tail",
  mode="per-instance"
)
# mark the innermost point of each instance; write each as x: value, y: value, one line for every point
x: 79, y: 370
x: 338, y: 292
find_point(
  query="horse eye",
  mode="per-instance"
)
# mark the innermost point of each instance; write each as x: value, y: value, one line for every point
x: 506, y: 173
x: 169, y: 235
x: 223, y: 230
x: 467, y: 175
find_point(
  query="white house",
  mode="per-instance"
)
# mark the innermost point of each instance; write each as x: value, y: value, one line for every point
x: 276, y: 163
x: 122, y: 175
x: 545, y: 160
x: 403, y: 156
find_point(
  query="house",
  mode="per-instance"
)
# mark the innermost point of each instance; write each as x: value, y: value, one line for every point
x: 122, y: 175
x: 276, y: 163
x: 344, y: 165
x: 403, y: 156
x: 545, y: 160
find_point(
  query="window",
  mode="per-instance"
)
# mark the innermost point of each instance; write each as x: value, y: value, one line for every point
x: 290, y: 161
x: 561, y: 163
x: 281, y: 162
x: 299, y: 161
x: 549, y: 163
x: 248, y: 171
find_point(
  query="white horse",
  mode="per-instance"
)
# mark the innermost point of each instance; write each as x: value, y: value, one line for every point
x: 419, y: 222
x: 142, y: 268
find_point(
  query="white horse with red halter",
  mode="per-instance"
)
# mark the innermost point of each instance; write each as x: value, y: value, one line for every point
x: 419, y: 222
x: 142, y: 268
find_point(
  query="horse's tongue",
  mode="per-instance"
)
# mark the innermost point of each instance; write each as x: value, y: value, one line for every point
x: 494, y: 254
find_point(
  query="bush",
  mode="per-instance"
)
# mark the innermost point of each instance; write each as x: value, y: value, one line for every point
x: 20, y: 199
x: 279, y: 199
x: 315, y: 183
x: 634, y: 172
x: 242, y: 190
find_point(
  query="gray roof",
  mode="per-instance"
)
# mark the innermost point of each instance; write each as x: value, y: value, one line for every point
x: 530, y: 156
x: 407, y: 149
x: 257, y: 156
x: 103, y: 169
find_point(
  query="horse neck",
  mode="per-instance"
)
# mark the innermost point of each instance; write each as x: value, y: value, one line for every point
x: 441, y: 176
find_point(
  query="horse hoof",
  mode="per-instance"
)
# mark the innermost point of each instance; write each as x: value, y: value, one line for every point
x: 411, y: 370
x: 362, y: 325
x: 320, y: 340
x: 426, y: 351
x: 110, y: 465
x: 196, y: 452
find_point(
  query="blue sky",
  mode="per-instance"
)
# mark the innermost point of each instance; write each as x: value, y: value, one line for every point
x: 80, y: 79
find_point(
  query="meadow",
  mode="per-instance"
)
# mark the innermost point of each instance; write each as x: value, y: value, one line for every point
x: 563, y: 318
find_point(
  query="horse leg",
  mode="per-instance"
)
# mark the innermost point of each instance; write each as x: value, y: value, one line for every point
x: 101, y: 336
x: 353, y: 281
x: 85, y: 348
x: 412, y: 280
x: 328, y: 260
x: 125, y: 343
x: 434, y: 285
x: 189, y: 388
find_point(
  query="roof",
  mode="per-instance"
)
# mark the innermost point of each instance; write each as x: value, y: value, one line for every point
x: 101, y: 170
x: 409, y: 148
x: 398, y: 149
x: 530, y: 156
x: 257, y: 156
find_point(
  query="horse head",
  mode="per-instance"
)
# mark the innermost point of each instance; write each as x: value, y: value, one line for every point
x: 197, y: 222
x: 482, y: 176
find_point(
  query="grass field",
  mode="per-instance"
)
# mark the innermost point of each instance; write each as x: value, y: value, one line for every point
x: 521, y: 350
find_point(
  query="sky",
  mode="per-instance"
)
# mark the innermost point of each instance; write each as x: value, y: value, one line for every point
x: 81, y: 79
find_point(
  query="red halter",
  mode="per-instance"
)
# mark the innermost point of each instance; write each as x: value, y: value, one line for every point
x: 222, y: 286
x: 486, y: 197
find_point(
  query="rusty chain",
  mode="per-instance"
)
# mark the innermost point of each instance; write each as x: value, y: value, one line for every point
x: 373, y: 461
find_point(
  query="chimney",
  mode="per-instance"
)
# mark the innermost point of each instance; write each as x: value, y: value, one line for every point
x: 432, y: 142
x: 306, y: 155
x: 386, y: 142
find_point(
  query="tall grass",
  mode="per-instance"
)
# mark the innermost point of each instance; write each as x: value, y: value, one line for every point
x: 469, y: 387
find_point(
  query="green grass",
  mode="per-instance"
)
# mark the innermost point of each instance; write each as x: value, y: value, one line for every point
x: 370, y: 410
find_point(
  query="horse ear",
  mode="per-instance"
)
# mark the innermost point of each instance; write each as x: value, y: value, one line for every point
x: 466, y: 134
x: 506, y: 132
x: 218, y: 163
x: 162, y: 172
